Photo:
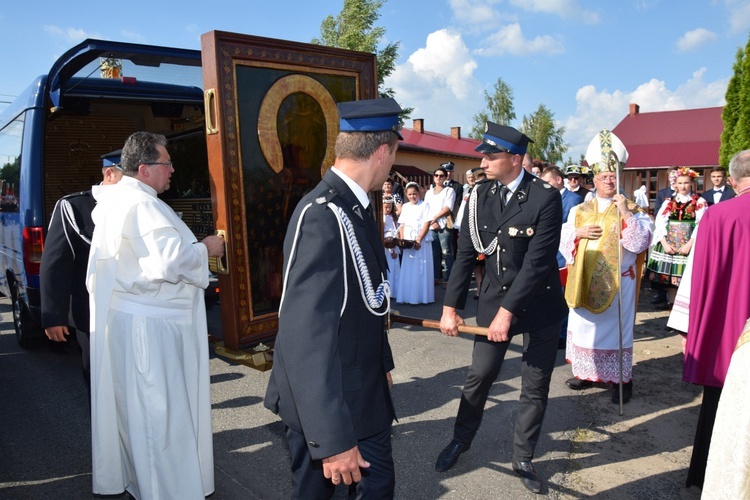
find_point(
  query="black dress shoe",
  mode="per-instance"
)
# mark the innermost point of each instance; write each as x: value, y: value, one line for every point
x: 528, y: 474
x: 577, y: 384
x: 627, y: 392
x: 449, y: 456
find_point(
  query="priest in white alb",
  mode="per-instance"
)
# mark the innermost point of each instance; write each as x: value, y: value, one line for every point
x: 589, y: 242
x: 150, y: 398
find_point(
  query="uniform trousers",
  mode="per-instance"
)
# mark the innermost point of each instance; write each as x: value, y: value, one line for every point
x: 378, y: 480
x: 538, y: 360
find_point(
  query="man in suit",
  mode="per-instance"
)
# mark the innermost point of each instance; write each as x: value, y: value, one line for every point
x: 720, y: 191
x: 330, y: 382
x: 553, y: 176
x: 514, y: 220
x: 65, y: 300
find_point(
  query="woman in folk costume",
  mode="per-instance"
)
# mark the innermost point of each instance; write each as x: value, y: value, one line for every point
x: 415, y: 284
x: 392, y: 251
x: 589, y: 242
x: 675, y: 224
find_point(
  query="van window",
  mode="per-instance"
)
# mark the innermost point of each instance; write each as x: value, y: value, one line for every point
x: 11, y: 139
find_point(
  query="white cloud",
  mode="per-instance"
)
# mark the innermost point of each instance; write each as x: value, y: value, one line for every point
x: 739, y: 15
x: 69, y: 36
x: 510, y: 39
x: 596, y: 110
x: 567, y: 9
x: 438, y: 82
x: 693, y: 40
x: 475, y: 14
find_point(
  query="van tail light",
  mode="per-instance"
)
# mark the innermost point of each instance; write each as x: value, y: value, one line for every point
x: 33, y: 246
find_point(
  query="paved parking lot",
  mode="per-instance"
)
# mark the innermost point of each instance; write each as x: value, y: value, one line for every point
x: 586, y: 448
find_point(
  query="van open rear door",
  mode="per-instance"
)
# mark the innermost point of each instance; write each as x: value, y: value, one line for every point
x: 271, y: 125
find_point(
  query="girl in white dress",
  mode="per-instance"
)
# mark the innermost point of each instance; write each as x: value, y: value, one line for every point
x: 415, y: 282
x: 390, y: 233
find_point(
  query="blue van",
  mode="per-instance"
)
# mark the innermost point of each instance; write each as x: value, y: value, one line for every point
x: 56, y: 132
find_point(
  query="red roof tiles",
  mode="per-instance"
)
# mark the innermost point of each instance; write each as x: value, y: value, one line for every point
x: 442, y: 144
x: 689, y: 137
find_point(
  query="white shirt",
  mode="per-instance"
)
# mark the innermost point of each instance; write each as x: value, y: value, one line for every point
x: 717, y: 194
x: 360, y: 193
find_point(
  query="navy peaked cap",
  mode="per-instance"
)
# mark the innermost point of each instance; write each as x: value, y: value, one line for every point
x: 501, y: 138
x: 370, y: 115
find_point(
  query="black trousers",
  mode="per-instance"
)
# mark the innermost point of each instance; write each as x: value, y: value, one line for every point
x: 538, y: 361
x: 702, y: 443
x: 378, y: 480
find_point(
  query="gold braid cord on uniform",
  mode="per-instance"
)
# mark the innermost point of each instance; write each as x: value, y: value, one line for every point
x: 592, y: 278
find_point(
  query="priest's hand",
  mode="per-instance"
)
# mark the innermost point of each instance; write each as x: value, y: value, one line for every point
x: 450, y: 321
x: 57, y: 333
x: 589, y: 232
x: 345, y: 467
x: 622, y: 206
x: 215, y: 245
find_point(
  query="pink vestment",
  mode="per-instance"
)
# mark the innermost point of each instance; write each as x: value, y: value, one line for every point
x: 720, y: 292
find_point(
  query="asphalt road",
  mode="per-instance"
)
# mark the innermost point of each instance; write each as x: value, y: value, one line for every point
x: 45, y: 442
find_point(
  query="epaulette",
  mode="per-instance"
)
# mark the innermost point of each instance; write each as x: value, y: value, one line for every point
x: 75, y: 195
x: 326, y: 197
x: 539, y: 183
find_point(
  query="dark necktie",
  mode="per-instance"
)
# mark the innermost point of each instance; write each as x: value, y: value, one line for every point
x: 503, y: 195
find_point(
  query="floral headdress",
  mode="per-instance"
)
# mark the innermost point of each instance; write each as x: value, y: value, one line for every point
x: 686, y: 172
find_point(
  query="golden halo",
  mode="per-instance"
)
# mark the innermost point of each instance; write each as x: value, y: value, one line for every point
x: 268, y: 133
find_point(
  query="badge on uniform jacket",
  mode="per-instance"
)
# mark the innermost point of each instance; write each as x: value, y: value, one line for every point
x: 521, y: 232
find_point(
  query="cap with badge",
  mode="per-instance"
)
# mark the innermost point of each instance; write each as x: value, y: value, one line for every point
x: 501, y: 138
x: 112, y: 159
x: 370, y: 115
x: 572, y: 170
x: 448, y: 166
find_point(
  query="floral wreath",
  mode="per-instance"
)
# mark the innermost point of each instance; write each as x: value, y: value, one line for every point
x: 686, y: 172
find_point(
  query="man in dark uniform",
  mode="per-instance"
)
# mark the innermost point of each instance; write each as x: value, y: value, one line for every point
x: 330, y: 379
x: 516, y: 223
x: 65, y: 300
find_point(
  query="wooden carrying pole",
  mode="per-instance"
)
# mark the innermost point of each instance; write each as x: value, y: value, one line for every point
x: 429, y: 323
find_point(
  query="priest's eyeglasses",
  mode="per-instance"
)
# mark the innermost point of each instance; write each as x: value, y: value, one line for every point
x: 165, y: 163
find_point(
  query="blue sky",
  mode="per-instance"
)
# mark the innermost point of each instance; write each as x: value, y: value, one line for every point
x: 585, y: 60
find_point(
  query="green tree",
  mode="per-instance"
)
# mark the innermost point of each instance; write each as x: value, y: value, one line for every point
x: 730, y: 113
x: 353, y: 28
x: 500, y: 106
x: 736, y: 134
x: 548, y: 139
